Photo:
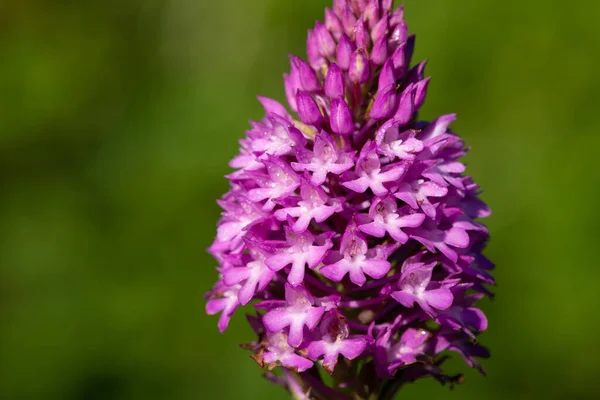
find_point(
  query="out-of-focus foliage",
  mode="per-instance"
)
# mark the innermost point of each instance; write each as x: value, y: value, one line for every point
x: 117, y: 119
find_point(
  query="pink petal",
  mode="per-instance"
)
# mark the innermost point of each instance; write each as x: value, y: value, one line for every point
x: 292, y: 360
x: 357, y: 276
x: 336, y: 271
x: 278, y: 261
x: 296, y: 334
x: 439, y: 298
x: 216, y: 305
x: 316, y: 349
x: 406, y: 299
x: 276, y: 320
x: 475, y: 318
x: 352, y: 348
x: 359, y: 185
x: 376, y: 268
x: 373, y: 229
x: 457, y: 237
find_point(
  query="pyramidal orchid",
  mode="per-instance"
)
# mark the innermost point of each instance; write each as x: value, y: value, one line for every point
x: 350, y: 226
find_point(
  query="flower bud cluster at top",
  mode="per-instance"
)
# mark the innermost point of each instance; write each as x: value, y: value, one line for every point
x: 351, y: 222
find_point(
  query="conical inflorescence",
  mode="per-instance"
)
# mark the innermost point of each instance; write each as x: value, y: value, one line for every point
x: 350, y: 224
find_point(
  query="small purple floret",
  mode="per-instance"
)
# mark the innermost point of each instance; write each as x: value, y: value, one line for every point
x: 299, y: 312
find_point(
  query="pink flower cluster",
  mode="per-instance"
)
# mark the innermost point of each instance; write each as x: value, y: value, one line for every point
x: 351, y: 221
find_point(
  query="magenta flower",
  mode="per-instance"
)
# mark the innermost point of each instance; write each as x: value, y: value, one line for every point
x: 416, y: 194
x: 370, y: 174
x: 275, y: 137
x: 279, y: 181
x: 356, y: 259
x: 350, y: 225
x: 226, y: 303
x: 312, y: 204
x: 300, y: 250
x: 386, y: 218
x: 335, y: 341
x: 252, y: 273
x: 279, y: 352
x: 295, y: 313
x: 415, y: 286
x: 240, y: 214
x: 391, y: 355
x: 402, y: 145
x: 323, y: 159
x: 447, y: 236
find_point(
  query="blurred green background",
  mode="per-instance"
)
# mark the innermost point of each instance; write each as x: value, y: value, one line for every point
x: 117, y: 119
